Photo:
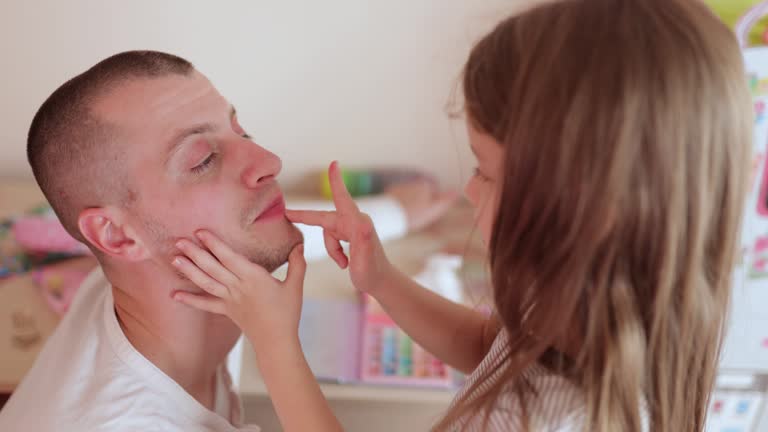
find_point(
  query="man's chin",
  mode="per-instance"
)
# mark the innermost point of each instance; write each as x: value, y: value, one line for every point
x: 272, y: 260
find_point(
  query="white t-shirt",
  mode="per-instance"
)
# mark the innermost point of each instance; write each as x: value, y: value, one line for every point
x: 89, y: 377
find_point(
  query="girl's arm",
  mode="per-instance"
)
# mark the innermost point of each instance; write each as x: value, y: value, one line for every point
x: 298, y: 401
x: 456, y: 334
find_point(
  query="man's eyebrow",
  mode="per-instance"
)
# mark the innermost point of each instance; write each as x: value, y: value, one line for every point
x: 180, y: 135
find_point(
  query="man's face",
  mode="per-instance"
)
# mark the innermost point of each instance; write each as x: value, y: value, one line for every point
x: 190, y: 166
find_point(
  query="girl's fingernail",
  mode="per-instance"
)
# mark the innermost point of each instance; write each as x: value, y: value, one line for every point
x: 177, y: 261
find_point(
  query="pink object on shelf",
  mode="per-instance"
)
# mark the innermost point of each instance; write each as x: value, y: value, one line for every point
x: 761, y: 243
x: 762, y: 197
x: 59, y: 285
x: 760, y: 264
x: 45, y: 234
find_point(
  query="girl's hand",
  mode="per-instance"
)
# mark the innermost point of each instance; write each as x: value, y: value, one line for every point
x: 265, y: 308
x: 368, y: 265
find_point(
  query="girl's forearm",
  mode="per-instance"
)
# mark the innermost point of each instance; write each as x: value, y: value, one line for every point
x: 295, y: 393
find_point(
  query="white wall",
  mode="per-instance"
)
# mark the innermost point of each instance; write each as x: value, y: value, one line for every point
x: 365, y: 82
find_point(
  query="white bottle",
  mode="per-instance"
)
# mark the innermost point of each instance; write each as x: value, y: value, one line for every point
x: 440, y: 275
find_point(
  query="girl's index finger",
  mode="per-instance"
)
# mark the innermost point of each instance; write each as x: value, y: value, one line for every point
x: 341, y: 197
x: 324, y: 219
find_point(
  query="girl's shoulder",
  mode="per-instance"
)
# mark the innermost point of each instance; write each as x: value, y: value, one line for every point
x: 556, y: 404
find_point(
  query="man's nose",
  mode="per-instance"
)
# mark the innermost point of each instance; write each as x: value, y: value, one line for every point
x: 261, y: 166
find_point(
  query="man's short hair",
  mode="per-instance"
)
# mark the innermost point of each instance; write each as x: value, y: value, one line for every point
x: 71, y: 150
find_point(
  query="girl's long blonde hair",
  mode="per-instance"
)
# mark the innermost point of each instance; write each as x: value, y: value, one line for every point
x: 627, y: 128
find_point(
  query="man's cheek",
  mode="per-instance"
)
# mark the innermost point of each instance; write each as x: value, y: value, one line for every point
x: 187, y: 221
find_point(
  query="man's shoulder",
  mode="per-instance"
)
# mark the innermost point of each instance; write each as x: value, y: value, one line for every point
x: 99, y: 404
x: 76, y: 351
x: 99, y: 417
x: 146, y: 418
x: 76, y: 366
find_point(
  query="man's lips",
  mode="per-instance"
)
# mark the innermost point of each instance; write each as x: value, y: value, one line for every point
x: 275, y: 209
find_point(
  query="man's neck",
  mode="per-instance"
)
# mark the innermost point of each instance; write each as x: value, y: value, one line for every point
x: 187, y: 345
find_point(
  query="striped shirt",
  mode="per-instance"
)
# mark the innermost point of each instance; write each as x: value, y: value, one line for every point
x: 558, y: 406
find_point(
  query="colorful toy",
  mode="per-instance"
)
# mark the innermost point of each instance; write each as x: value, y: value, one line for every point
x: 34, y: 239
x: 370, y: 182
x: 390, y: 357
x: 45, y: 234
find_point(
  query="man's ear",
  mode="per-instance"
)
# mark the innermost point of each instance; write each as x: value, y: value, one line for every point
x: 104, y: 228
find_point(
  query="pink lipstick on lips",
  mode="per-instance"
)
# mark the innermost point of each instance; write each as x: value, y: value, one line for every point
x: 276, y: 209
